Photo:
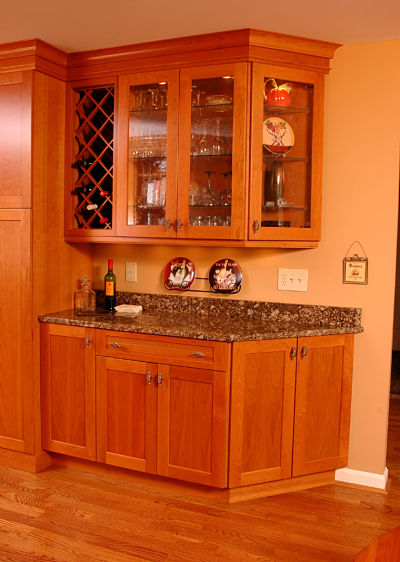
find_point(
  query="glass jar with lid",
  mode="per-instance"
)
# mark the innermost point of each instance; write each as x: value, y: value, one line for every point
x: 84, y: 298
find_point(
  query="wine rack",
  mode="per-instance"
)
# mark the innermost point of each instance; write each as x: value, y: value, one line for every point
x: 93, y: 160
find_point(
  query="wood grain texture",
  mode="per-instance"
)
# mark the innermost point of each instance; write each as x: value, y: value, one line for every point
x: 262, y: 406
x: 68, y: 390
x: 163, y: 349
x: 16, y: 386
x: 64, y: 513
x: 192, y: 425
x: 126, y: 414
x: 15, y: 139
x: 321, y: 417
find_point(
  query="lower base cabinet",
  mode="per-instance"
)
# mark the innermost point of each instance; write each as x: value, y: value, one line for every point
x: 283, y: 405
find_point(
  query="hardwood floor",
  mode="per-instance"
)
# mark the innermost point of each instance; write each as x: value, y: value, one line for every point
x: 65, y: 515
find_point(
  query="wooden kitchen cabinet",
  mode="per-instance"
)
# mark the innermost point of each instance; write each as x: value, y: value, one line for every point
x: 187, y: 116
x: 171, y: 420
x: 219, y: 414
x: 289, y: 417
x: 68, y: 390
x: 194, y: 162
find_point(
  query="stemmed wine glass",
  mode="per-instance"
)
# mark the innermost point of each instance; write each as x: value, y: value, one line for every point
x: 208, y: 198
x: 227, y: 193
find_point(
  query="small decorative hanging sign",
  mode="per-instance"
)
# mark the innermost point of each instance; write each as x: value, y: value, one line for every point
x: 355, y: 267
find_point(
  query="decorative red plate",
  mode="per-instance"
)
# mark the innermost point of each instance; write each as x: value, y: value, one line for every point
x: 179, y: 274
x: 278, y: 135
x: 225, y: 276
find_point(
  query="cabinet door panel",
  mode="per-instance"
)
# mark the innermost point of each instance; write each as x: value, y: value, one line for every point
x: 126, y: 413
x: 212, y: 151
x: 263, y: 381
x: 323, y: 394
x: 15, y: 134
x: 147, y: 154
x: 68, y: 391
x: 192, y: 425
x: 16, y: 376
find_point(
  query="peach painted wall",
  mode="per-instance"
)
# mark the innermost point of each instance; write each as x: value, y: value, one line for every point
x: 360, y: 201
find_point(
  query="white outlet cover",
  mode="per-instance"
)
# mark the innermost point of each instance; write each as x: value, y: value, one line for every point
x: 130, y: 272
x: 292, y: 279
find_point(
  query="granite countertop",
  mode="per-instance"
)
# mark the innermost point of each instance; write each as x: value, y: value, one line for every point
x: 210, y: 319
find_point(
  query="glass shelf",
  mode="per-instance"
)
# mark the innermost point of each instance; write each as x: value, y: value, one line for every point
x: 284, y: 158
x: 275, y: 109
x: 148, y: 110
x: 283, y: 207
x: 225, y: 155
x: 218, y: 205
x: 160, y: 157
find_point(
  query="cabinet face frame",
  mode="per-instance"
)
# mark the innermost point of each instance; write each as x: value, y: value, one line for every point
x: 260, y: 71
x: 125, y: 82
x: 15, y: 139
x: 82, y: 420
x: 236, y: 230
x: 69, y: 229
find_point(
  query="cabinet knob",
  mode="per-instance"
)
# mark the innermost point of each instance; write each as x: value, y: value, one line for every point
x: 149, y: 377
x: 160, y: 378
x: 256, y: 226
x: 198, y: 354
x: 88, y: 341
x: 304, y: 351
x: 293, y: 353
x: 115, y: 344
x: 179, y: 224
x: 169, y: 224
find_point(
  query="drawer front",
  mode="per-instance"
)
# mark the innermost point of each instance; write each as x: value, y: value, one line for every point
x: 163, y: 349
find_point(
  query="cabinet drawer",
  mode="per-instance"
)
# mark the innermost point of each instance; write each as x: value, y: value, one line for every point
x: 163, y: 349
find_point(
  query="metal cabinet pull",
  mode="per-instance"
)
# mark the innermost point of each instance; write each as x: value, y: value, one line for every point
x: 149, y: 377
x: 256, y: 225
x: 115, y: 344
x: 179, y: 224
x: 303, y: 351
x: 293, y: 353
x: 160, y: 378
x: 198, y: 354
x: 169, y: 224
x: 88, y: 341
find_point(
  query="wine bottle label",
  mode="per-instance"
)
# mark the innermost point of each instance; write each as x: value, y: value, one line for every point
x: 92, y: 207
x: 109, y: 288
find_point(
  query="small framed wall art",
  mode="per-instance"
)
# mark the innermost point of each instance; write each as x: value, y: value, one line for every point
x: 355, y: 268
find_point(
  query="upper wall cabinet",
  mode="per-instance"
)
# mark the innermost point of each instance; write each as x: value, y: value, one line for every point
x: 228, y: 149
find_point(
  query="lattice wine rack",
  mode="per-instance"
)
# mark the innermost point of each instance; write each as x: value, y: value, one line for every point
x: 94, y: 157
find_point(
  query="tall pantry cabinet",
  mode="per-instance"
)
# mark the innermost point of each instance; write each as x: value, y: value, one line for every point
x: 38, y: 269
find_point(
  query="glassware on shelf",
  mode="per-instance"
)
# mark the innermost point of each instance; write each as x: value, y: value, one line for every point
x: 204, y: 146
x: 84, y: 297
x: 219, y: 144
x: 275, y: 184
x: 208, y: 197
x: 226, y: 196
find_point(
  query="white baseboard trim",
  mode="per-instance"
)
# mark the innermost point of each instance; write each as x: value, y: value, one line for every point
x: 370, y: 479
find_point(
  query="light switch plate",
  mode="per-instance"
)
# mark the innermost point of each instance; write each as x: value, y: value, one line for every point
x: 292, y: 279
x: 130, y: 271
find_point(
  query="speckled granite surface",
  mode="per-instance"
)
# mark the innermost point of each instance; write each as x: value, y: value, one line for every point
x: 218, y: 320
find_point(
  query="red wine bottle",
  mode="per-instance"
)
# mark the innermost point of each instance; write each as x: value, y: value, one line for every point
x: 110, y: 280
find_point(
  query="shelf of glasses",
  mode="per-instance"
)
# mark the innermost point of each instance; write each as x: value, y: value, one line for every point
x: 223, y: 106
x: 284, y: 207
x: 148, y: 157
x: 148, y: 110
x: 220, y: 205
x: 281, y: 109
x: 225, y: 155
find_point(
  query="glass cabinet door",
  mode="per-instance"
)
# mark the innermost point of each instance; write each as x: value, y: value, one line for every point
x: 286, y: 154
x: 148, y: 154
x: 212, y: 152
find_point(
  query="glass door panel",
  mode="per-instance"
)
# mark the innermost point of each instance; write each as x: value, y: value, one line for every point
x: 285, y: 156
x: 147, y: 154
x: 147, y: 160
x: 212, y: 179
x: 210, y: 192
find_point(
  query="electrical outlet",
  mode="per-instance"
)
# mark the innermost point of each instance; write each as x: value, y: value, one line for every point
x: 292, y: 279
x: 130, y: 271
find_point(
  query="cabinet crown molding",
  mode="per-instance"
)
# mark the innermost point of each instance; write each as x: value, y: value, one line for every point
x: 33, y: 54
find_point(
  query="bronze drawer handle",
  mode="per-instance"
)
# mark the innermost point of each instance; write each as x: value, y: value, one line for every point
x: 198, y: 354
x: 115, y: 344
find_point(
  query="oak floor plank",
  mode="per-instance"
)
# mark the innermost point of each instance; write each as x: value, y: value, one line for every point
x: 64, y: 515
